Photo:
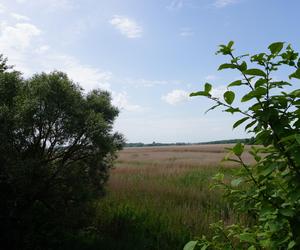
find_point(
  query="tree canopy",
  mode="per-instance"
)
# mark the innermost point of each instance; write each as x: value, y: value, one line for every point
x: 57, y: 145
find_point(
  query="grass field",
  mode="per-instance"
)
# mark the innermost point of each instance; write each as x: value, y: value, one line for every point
x: 160, y: 197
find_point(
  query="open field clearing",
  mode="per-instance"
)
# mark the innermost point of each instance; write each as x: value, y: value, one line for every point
x: 160, y: 197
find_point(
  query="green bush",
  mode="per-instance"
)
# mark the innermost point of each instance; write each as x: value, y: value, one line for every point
x: 268, y: 191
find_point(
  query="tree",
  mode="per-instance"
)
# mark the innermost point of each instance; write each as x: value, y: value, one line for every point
x: 268, y: 192
x: 56, y: 149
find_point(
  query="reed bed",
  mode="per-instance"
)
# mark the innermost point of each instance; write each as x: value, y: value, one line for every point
x: 169, y: 189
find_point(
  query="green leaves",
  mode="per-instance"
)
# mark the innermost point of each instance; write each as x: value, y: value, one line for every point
x: 238, y: 149
x: 191, y: 245
x: 296, y: 74
x: 229, y: 97
x: 255, y: 72
x: 257, y: 93
x: 239, y: 122
x: 270, y: 190
x: 275, y: 48
x: 207, y: 89
x: 247, y: 237
x: 227, y: 66
x: 235, y: 83
x: 225, y: 49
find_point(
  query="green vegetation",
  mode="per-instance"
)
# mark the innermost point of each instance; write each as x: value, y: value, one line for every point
x: 267, y: 191
x: 247, y: 141
x: 57, y: 146
x: 153, y: 203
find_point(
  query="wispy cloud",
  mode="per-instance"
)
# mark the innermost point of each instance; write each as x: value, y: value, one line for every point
x: 17, y: 36
x: 2, y: 8
x: 51, y: 5
x: 218, y: 91
x: 224, y: 3
x: 19, y: 17
x: 210, y: 78
x: 175, y: 97
x: 176, y: 4
x: 141, y: 82
x: 127, y: 26
x: 186, y: 32
x: 121, y: 100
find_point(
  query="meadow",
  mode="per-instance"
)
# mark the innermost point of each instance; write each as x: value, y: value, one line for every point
x: 161, y: 197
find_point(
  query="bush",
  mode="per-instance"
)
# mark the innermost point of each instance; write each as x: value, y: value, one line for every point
x: 268, y: 191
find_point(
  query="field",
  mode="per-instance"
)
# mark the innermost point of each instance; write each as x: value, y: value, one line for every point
x: 161, y: 197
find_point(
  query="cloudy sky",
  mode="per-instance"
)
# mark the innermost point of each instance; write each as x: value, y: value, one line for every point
x: 150, y: 54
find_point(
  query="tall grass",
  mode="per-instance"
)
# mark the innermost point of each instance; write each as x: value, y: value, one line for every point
x: 161, y: 198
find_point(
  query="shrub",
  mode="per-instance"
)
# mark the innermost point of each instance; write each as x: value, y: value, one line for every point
x: 269, y: 190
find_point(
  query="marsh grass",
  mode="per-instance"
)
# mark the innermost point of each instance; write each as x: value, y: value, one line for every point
x: 159, y: 198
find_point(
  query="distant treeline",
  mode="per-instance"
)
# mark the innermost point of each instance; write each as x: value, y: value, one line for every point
x: 248, y: 141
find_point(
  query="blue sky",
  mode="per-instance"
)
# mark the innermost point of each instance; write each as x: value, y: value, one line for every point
x: 150, y: 54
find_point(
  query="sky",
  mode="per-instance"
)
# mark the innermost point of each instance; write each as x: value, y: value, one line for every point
x: 150, y: 54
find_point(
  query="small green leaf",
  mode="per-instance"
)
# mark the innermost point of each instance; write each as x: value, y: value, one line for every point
x: 200, y: 93
x: 190, y: 245
x: 243, y: 66
x: 291, y: 244
x: 260, y: 82
x: 255, y: 72
x: 207, y: 87
x: 247, y: 237
x: 232, y: 110
x: 239, y: 122
x: 238, y: 149
x: 250, y: 125
x: 235, y: 83
x: 227, y: 66
x: 252, y: 248
x: 257, y: 93
x: 275, y: 48
x: 230, y: 44
x: 236, y: 182
x: 229, y: 97
x: 296, y: 74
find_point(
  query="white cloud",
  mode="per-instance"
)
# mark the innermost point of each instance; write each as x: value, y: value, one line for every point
x: 18, y: 37
x: 176, y: 96
x: 128, y: 27
x: 218, y: 91
x: 2, y: 8
x: 18, y: 42
x: 185, y: 32
x: 140, y: 82
x: 224, y: 3
x: 87, y: 76
x: 210, y: 78
x: 121, y: 101
x: 42, y: 49
x: 19, y: 17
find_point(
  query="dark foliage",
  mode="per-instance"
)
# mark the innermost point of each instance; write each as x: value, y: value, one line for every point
x: 57, y: 146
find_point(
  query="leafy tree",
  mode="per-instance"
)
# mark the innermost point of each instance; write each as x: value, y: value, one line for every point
x: 57, y: 146
x: 269, y: 190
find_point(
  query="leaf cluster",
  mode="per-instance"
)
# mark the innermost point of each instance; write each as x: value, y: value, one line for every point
x: 267, y: 191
